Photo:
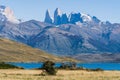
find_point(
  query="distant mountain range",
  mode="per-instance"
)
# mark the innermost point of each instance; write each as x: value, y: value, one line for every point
x: 63, y: 34
x: 73, y: 18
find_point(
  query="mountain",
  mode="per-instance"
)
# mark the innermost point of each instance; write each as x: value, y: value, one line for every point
x: 64, y: 19
x: 71, y: 34
x: 104, y: 57
x: 75, y: 17
x: 48, y: 19
x: 72, y: 18
x: 6, y: 14
x: 57, y: 17
x: 12, y: 51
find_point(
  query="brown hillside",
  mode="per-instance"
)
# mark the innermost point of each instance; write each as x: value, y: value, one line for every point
x: 11, y: 51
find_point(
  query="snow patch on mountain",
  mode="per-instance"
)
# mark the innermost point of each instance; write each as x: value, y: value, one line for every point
x: 6, y: 14
x: 86, y: 18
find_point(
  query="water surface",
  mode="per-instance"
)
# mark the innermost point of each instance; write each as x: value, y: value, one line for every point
x: 104, y: 66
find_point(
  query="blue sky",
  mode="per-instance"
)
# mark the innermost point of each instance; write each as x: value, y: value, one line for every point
x: 35, y: 9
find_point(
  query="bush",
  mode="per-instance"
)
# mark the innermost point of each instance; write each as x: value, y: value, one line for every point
x: 8, y: 66
x: 49, y: 68
x: 98, y: 69
x: 69, y: 66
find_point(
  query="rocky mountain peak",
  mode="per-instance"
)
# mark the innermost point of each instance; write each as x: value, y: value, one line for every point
x: 48, y: 18
x: 57, y: 12
x: 73, y: 18
x: 6, y: 14
x: 57, y: 16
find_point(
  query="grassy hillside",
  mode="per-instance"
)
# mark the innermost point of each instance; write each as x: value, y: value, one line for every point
x: 11, y: 51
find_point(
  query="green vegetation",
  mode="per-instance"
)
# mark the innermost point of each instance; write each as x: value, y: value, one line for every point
x: 70, y: 66
x: 8, y: 66
x: 97, y: 69
x: 49, y: 68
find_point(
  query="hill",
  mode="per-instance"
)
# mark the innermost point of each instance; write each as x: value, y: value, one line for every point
x: 11, y: 51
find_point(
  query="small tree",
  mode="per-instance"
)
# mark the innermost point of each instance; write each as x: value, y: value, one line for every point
x: 49, y: 68
x: 70, y: 65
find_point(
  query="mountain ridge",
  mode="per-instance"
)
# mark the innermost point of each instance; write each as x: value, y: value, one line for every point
x: 76, y: 34
x: 72, y: 18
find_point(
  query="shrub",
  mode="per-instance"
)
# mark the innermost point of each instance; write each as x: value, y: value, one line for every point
x: 8, y: 66
x: 49, y: 68
x: 98, y: 69
x: 69, y: 65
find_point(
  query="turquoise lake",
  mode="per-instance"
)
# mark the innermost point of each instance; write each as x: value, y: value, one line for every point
x: 104, y: 66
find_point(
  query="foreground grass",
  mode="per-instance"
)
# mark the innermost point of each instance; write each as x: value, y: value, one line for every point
x: 15, y: 74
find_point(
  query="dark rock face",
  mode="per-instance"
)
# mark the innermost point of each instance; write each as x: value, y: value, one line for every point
x: 75, y: 17
x: 64, y: 19
x: 48, y: 19
x: 57, y: 17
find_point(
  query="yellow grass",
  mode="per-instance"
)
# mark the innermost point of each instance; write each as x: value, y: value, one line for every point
x: 61, y: 75
x: 11, y: 51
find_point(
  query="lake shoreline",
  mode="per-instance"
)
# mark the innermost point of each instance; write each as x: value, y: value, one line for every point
x: 103, y: 66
